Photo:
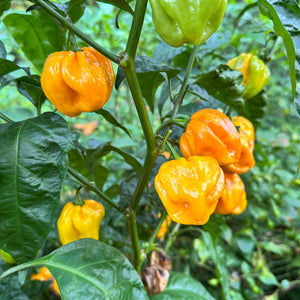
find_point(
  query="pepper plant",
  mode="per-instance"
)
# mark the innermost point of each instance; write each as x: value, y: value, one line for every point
x: 170, y: 60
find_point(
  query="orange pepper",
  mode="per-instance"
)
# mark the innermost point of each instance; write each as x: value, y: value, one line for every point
x: 211, y: 133
x: 190, y: 188
x: 78, y: 222
x: 246, y: 161
x: 45, y: 275
x: 233, y: 200
x: 77, y: 82
x: 164, y: 227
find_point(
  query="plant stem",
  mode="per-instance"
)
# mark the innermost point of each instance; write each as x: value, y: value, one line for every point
x: 136, y: 28
x: 86, y: 183
x: 180, y: 95
x: 152, y: 151
x: 172, y: 237
x: 68, y: 24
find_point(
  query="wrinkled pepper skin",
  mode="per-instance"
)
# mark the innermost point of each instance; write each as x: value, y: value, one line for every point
x: 78, y: 222
x: 211, y: 133
x: 233, y: 200
x: 190, y: 188
x: 255, y: 73
x: 246, y: 161
x: 77, y: 82
x: 187, y: 21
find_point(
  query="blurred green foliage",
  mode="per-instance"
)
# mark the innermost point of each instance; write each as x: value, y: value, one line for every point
x: 251, y: 256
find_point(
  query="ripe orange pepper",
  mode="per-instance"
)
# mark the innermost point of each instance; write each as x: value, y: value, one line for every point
x: 77, y: 82
x: 246, y: 161
x: 78, y: 222
x: 211, y: 133
x: 45, y: 275
x: 233, y: 200
x: 190, y: 188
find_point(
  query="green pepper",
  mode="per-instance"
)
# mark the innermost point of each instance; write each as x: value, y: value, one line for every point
x: 255, y: 73
x: 187, y: 21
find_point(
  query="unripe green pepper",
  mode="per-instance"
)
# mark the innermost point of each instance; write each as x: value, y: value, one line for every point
x: 255, y: 73
x: 187, y: 21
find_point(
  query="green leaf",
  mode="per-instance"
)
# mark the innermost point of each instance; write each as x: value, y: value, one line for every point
x: 89, y: 269
x: 150, y: 76
x: 255, y: 108
x: 245, y: 243
x: 33, y: 165
x: 4, y: 5
x: 7, y: 66
x: 112, y: 120
x: 224, y: 84
x: 37, y: 34
x: 284, y: 14
x: 218, y: 255
x: 76, y: 9
x: 149, y: 73
x: 122, y: 4
x: 267, y: 277
x: 183, y: 287
x: 10, y: 288
x: 30, y: 87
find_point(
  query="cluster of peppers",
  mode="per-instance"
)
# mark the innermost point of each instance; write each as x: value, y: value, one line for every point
x: 206, y: 179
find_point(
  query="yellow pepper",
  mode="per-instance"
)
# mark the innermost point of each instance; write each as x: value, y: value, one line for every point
x: 233, y: 200
x: 190, y: 188
x: 77, y: 222
x: 255, y: 73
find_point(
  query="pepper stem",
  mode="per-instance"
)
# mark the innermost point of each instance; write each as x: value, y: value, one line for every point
x: 78, y: 200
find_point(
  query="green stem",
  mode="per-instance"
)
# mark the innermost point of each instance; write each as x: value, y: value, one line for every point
x: 137, y: 257
x: 85, y: 182
x: 172, y: 237
x: 68, y: 24
x: 127, y: 64
x: 6, y: 118
x: 180, y: 95
x: 136, y: 28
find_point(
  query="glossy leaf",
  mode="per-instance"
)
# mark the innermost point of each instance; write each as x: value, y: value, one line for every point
x: 30, y: 87
x: 285, y: 16
x: 183, y: 287
x: 122, y: 4
x: 37, y: 34
x: 224, y: 84
x: 89, y: 269
x: 76, y: 9
x: 7, y: 66
x: 150, y: 76
x: 33, y: 165
x: 112, y: 120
